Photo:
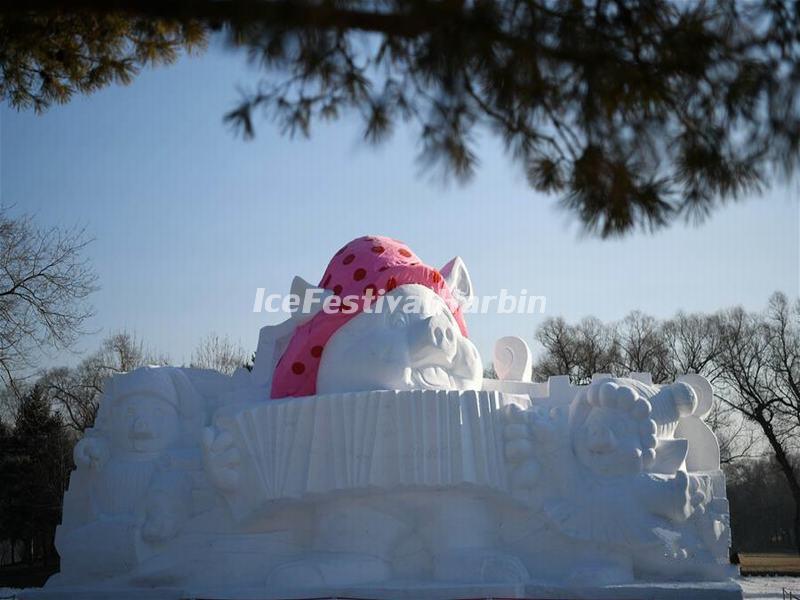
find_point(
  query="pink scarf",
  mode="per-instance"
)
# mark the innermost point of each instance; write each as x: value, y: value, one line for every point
x: 371, y: 262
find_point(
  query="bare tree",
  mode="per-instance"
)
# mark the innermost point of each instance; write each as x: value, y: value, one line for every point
x: 759, y: 364
x: 576, y: 350
x: 693, y: 344
x: 783, y: 321
x: 44, y: 284
x: 642, y: 346
x: 598, y: 347
x: 75, y: 392
x: 738, y: 438
x: 560, y: 356
x: 219, y: 353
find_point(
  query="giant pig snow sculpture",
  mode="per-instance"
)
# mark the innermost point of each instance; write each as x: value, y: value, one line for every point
x: 365, y: 455
x: 405, y: 332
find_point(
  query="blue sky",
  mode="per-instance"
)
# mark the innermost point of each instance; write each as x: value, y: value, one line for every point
x: 189, y: 220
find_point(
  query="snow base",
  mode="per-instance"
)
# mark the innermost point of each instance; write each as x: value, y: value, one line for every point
x: 729, y: 590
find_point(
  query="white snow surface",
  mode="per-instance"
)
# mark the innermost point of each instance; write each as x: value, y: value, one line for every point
x: 769, y: 588
x: 755, y: 588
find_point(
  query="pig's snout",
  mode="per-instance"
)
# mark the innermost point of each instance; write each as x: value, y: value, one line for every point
x: 433, y: 341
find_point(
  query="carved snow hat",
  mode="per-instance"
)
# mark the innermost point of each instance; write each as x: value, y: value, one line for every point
x: 366, y: 267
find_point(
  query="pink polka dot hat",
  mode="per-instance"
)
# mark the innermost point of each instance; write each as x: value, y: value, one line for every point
x: 374, y: 263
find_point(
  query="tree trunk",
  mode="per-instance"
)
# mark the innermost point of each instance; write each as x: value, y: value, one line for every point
x: 788, y: 472
x: 797, y: 526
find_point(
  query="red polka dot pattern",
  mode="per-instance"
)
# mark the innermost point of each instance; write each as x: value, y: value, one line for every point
x: 375, y: 263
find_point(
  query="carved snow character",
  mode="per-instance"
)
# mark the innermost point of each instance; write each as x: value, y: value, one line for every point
x: 381, y: 319
x: 402, y: 329
x: 615, y: 430
x: 609, y: 474
x: 132, y: 499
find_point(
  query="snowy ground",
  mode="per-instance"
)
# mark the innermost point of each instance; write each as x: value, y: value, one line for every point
x: 769, y: 588
x: 755, y: 588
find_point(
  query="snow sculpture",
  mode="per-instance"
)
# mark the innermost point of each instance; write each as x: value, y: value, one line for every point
x: 364, y: 455
x: 127, y: 493
x: 607, y: 472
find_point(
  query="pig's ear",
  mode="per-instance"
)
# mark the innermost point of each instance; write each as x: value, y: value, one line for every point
x: 299, y: 288
x: 457, y: 279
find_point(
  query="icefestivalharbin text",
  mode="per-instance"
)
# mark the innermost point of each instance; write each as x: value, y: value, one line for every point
x: 315, y: 299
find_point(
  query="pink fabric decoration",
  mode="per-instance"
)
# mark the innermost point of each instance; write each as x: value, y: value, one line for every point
x: 375, y: 262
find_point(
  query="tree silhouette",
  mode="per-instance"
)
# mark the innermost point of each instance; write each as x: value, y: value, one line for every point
x: 45, y: 282
x: 34, y: 470
x: 219, y: 353
x: 47, y: 57
x: 635, y: 113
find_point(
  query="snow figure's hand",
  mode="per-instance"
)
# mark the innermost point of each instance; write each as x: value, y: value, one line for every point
x: 91, y: 452
x: 700, y: 492
x: 681, y: 496
x: 545, y: 429
x: 159, y: 524
x: 222, y: 459
x: 517, y: 435
x: 519, y: 450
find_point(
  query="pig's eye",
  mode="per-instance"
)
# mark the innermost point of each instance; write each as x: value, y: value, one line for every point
x: 398, y: 320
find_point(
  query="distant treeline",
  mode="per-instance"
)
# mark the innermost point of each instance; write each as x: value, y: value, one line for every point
x: 762, y: 510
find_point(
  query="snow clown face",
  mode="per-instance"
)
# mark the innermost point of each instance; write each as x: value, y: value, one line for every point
x: 612, y: 432
x: 402, y: 329
x: 149, y: 409
x: 143, y: 423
